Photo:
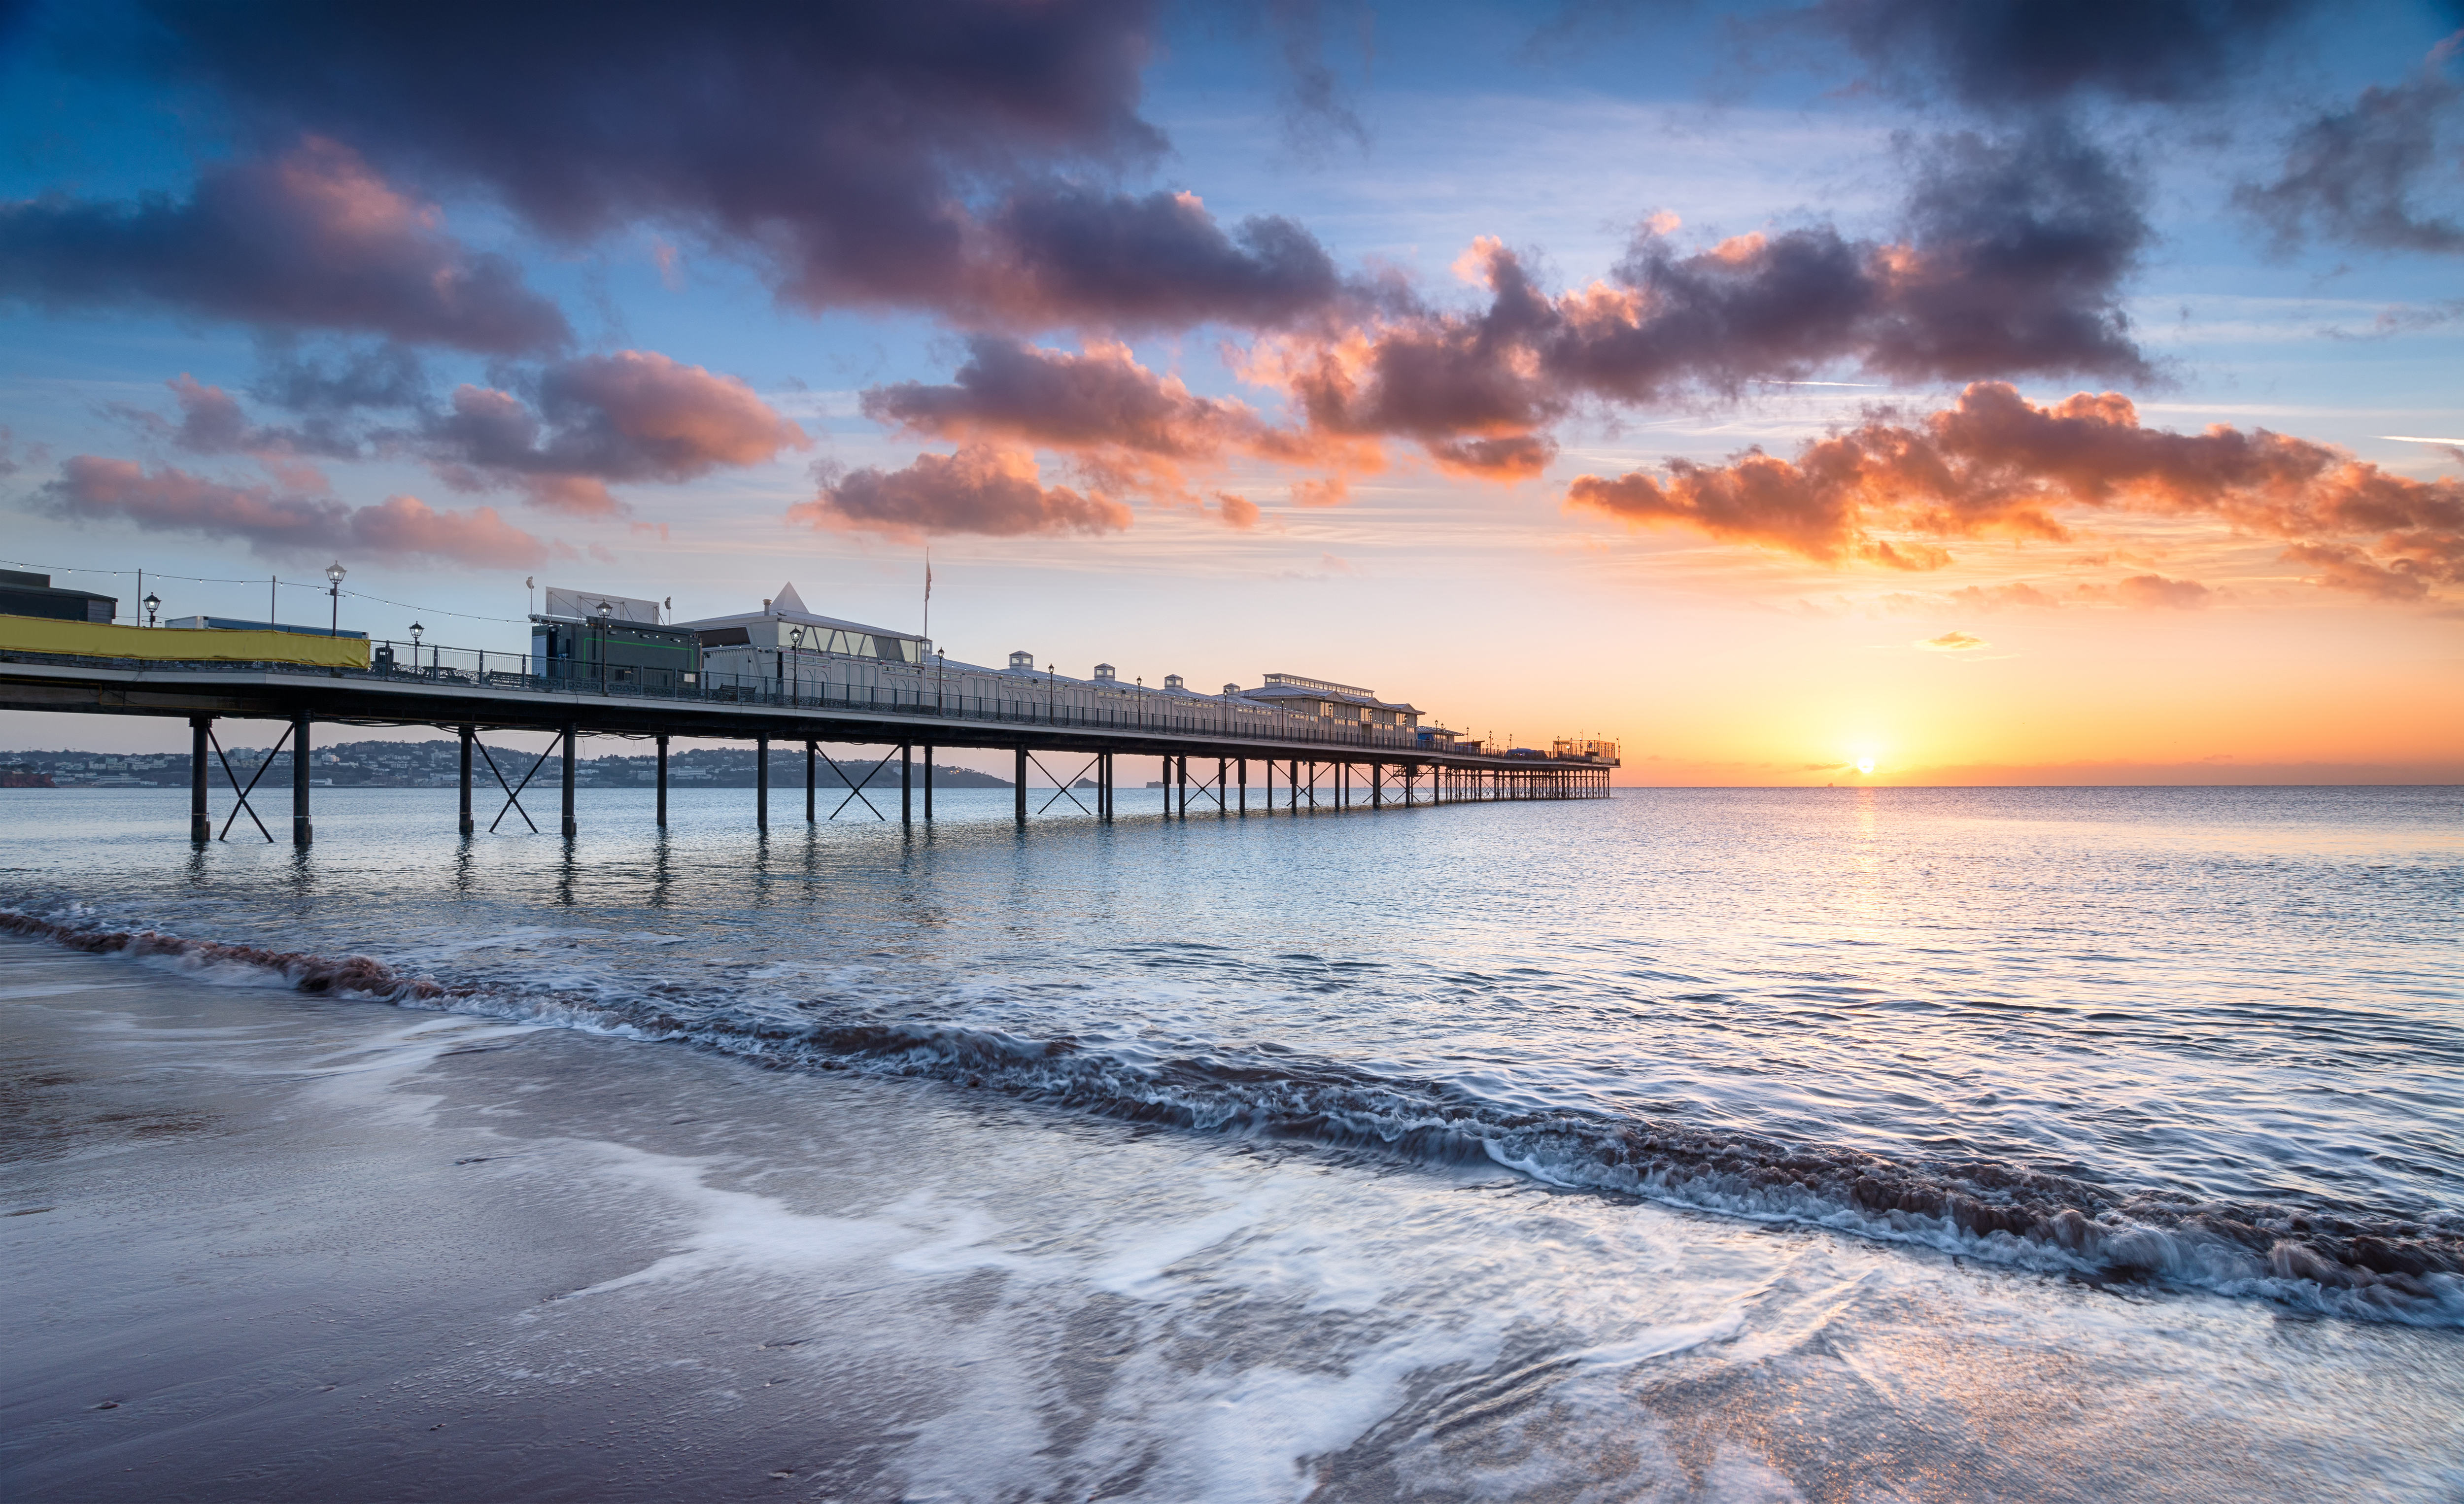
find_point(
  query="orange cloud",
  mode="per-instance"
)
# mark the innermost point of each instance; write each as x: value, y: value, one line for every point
x: 1998, y: 465
x: 1953, y: 642
x: 2155, y: 593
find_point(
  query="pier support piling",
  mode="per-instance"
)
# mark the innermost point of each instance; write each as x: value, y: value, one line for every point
x: 302, y: 833
x: 572, y: 826
x: 663, y: 781
x: 201, y: 823
x: 468, y: 735
x: 809, y: 781
x: 928, y: 785
x: 1019, y: 786
x: 762, y: 783
x: 905, y: 783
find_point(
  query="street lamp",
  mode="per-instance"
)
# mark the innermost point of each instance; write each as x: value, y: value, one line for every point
x: 153, y: 603
x: 334, y: 573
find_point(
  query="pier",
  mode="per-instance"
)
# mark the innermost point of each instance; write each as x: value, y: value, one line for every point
x: 1226, y: 755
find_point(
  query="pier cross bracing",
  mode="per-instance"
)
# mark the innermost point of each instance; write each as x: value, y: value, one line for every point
x: 782, y: 676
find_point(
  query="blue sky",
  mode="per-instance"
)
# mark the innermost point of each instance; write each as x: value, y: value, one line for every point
x: 1557, y: 131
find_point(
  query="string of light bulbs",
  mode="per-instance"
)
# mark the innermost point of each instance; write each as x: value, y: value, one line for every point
x: 295, y: 584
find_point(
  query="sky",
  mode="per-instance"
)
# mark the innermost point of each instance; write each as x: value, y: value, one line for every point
x: 1860, y: 391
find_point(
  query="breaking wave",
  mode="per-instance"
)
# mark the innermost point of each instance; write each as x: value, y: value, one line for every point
x: 2346, y: 1264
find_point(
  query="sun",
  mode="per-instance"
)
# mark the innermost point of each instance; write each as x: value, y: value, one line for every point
x: 1866, y: 765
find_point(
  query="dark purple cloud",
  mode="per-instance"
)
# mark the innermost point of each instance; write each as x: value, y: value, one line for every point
x: 578, y: 427
x: 2011, y: 260
x: 2359, y: 176
x: 950, y: 155
x: 312, y: 239
x: 2000, y: 54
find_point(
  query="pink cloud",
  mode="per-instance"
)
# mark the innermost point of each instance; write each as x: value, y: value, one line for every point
x: 276, y: 523
x: 981, y: 489
x: 629, y: 418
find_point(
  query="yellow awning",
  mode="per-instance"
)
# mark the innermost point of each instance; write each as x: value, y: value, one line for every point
x: 180, y: 644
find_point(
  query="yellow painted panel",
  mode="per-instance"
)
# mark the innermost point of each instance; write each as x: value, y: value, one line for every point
x: 183, y: 644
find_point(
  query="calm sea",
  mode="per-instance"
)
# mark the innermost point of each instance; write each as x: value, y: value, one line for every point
x: 1480, y: 1151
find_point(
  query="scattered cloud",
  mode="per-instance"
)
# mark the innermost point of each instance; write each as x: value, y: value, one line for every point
x: 1234, y: 511
x: 2018, y: 595
x: 1952, y: 642
x: 2342, y: 566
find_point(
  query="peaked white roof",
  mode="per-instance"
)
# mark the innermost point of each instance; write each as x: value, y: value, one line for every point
x: 789, y: 607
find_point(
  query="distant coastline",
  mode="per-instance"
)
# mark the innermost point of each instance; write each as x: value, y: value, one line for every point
x: 434, y: 765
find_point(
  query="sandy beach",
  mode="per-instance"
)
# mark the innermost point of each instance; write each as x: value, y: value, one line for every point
x: 267, y: 1246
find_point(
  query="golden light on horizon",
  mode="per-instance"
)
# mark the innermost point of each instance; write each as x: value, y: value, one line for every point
x: 1866, y: 765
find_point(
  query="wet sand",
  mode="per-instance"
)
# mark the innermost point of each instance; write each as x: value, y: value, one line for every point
x: 271, y: 1246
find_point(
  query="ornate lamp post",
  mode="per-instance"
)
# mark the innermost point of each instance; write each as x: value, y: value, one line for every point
x: 334, y: 573
x: 153, y: 603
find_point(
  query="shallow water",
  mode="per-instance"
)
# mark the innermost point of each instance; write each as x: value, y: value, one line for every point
x: 2183, y: 1060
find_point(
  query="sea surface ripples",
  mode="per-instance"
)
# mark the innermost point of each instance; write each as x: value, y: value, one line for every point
x: 2198, y: 1036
